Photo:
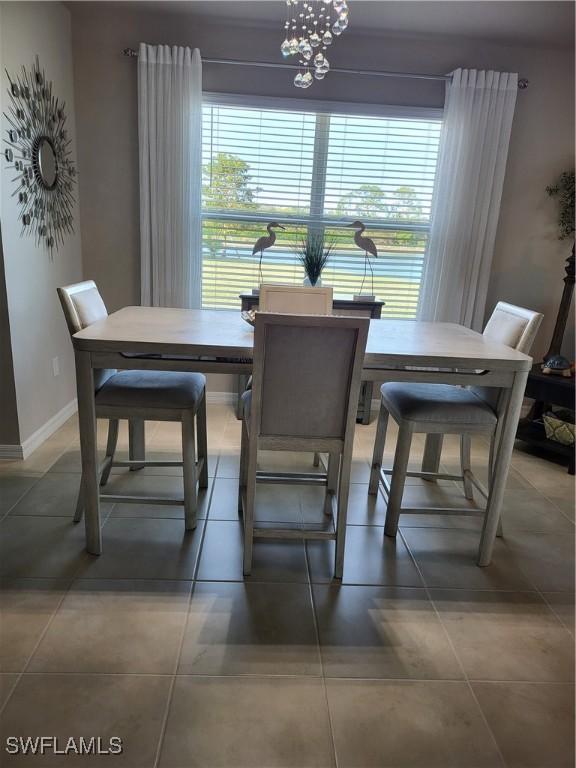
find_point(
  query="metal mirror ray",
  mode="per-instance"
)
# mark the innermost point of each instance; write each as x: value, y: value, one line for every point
x: 38, y: 152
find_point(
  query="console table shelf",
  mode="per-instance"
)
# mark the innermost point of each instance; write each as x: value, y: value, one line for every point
x: 546, y: 390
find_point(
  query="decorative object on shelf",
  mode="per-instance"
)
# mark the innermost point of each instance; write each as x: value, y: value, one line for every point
x: 559, y: 365
x: 249, y: 315
x: 313, y: 254
x: 310, y: 27
x: 547, y: 391
x: 554, y: 362
x: 39, y: 152
x: 559, y: 426
x: 265, y: 242
x: 367, y: 245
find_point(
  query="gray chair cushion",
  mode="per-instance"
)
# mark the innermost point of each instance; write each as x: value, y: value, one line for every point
x: 442, y: 403
x: 152, y: 389
x: 101, y: 376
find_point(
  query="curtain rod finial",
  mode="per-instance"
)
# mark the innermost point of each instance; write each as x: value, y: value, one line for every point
x: 130, y: 52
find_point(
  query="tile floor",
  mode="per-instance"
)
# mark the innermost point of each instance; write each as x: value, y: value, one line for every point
x: 419, y: 658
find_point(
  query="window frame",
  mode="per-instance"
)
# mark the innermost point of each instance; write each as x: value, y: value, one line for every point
x: 318, y: 107
x: 316, y: 220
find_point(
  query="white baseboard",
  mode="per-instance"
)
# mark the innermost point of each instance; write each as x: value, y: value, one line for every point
x: 22, y: 451
x: 221, y: 398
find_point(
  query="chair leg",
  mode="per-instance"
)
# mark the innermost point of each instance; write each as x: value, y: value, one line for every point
x: 466, y: 466
x: 189, y: 470
x: 331, y: 481
x: 110, y: 450
x: 106, y: 466
x: 243, y: 474
x: 136, y: 442
x: 401, y: 457
x: 494, y: 440
x: 378, y: 453
x: 343, y: 493
x: 202, y: 443
x: 79, y: 511
x: 491, y: 459
x: 432, y: 454
x: 251, y: 462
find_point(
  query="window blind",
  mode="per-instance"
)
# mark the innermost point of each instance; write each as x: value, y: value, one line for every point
x: 316, y: 172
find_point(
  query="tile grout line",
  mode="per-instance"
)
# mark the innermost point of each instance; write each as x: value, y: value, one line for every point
x: 26, y: 492
x: 553, y: 613
x: 288, y: 676
x: 66, y: 592
x: 535, y: 488
x: 318, y: 646
x: 570, y: 630
x: 555, y: 505
x: 178, y: 655
x: 456, y: 656
x: 529, y: 580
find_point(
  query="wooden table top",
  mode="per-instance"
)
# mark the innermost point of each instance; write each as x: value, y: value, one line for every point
x: 223, y: 333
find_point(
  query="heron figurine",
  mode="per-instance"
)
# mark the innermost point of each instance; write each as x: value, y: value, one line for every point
x: 265, y: 242
x: 367, y: 245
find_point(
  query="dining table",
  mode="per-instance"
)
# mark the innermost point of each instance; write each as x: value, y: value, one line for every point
x: 220, y: 341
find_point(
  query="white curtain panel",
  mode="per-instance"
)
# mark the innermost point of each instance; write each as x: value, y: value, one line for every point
x: 170, y: 143
x: 478, y: 116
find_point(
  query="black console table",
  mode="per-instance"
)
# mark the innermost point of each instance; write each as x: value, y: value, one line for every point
x: 546, y: 390
x: 344, y: 306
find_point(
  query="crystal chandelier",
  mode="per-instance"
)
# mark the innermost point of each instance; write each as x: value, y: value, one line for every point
x: 310, y: 28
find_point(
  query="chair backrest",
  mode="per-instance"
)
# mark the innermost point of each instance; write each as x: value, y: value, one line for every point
x: 306, y: 376
x: 82, y: 305
x: 514, y: 326
x: 295, y: 299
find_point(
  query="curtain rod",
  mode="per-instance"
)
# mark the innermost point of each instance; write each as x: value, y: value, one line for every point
x: 132, y: 53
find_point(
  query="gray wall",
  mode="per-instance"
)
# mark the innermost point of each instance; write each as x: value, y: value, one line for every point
x: 9, y: 429
x: 528, y: 260
x: 36, y: 325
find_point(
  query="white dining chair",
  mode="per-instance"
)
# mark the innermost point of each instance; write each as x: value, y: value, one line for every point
x: 295, y: 299
x: 314, y: 411
x: 139, y: 396
x: 441, y: 409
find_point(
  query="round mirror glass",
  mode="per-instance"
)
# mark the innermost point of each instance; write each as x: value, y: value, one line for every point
x: 47, y: 163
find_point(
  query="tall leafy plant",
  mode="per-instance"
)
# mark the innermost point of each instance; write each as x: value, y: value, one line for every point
x: 563, y: 190
x: 314, y: 253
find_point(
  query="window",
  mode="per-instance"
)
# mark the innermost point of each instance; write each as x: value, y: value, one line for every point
x: 316, y: 171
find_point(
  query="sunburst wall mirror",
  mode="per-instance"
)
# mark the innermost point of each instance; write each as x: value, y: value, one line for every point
x: 38, y: 152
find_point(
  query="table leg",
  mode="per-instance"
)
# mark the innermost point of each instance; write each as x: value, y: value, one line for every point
x: 89, y: 451
x: 432, y: 453
x: 365, y: 403
x: 512, y: 405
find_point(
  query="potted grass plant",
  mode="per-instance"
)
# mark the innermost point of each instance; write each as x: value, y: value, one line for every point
x: 314, y: 253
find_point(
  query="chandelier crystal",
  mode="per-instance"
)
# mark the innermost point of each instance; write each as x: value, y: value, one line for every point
x: 310, y: 28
